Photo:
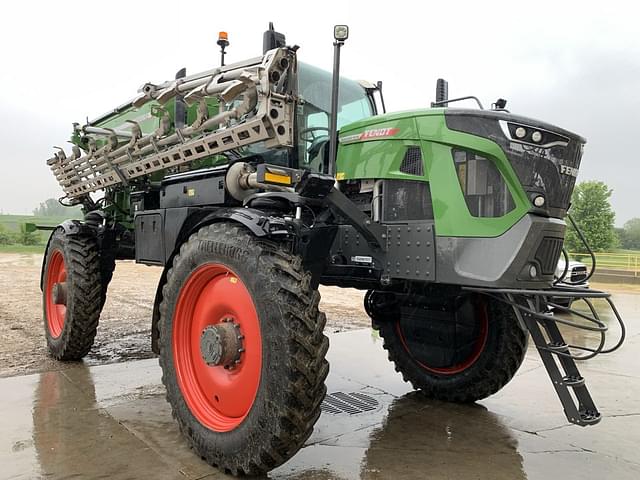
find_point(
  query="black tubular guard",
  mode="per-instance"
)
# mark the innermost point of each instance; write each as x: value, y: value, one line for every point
x: 533, y: 310
x: 538, y: 304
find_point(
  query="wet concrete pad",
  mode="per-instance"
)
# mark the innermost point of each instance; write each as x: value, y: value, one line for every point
x: 113, y: 422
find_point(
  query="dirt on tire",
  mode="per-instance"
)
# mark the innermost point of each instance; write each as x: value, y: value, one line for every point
x: 288, y: 344
x: 84, y: 294
x: 500, y: 356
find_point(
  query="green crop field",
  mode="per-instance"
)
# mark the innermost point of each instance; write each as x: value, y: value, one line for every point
x: 13, y: 222
x: 11, y: 225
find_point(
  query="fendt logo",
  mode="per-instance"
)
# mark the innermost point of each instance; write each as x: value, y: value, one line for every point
x: 375, y: 134
x: 567, y: 170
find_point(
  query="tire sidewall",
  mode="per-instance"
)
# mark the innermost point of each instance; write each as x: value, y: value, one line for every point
x: 237, y: 255
x: 493, y: 354
x: 58, y: 243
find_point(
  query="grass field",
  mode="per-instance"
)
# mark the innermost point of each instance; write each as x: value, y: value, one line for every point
x: 617, y: 260
x: 13, y: 222
x: 17, y: 248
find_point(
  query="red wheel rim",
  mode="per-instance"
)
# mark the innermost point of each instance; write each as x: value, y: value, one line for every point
x: 481, y: 310
x: 56, y: 273
x: 219, y: 398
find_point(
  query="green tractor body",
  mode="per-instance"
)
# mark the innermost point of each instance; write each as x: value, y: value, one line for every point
x: 467, y: 171
x: 253, y: 183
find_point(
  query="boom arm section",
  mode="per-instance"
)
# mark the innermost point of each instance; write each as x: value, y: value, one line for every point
x: 262, y: 109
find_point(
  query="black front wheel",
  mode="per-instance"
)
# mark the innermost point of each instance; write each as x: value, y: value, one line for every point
x: 461, y: 350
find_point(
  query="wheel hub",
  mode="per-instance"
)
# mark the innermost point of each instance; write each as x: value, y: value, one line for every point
x: 59, y: 293
x: 221, y: 344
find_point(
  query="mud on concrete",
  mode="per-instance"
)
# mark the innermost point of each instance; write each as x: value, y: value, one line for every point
x: 124, y: 332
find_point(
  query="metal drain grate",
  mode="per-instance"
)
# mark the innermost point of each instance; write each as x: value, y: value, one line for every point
x: 351, y: 403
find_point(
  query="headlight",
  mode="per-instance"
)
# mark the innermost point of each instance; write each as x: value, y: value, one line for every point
x: 341, y: 32
x: 531, y: 135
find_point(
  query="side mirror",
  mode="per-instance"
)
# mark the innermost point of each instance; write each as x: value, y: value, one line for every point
x: 272, y: 39
x: 442, y: 90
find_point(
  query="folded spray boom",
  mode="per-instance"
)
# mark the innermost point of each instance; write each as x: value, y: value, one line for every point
x: 260, y: 110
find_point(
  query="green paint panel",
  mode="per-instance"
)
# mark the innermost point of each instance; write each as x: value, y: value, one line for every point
x: 381, y: 159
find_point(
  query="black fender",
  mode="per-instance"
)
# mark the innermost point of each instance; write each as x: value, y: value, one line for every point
x: 256, y: 221
x: 70, y: 227
x: 260, y: 224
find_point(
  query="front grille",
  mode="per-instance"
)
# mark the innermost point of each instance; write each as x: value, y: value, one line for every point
x: 548, y: 254
x: 578, y: 274
x: 567, y: 182
x: 550, y: 170
x: 404, y: 200
x: 545, y: 170
x: 412, y: 162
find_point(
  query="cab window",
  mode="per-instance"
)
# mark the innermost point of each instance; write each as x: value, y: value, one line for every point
x: 485, y: 191
x: 314, y: 86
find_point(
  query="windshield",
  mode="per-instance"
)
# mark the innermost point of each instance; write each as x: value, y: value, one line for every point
x: 314, y: 86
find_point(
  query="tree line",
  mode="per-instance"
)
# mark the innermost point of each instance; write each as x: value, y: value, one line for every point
x: 591, y: 210
x: 53, y: 208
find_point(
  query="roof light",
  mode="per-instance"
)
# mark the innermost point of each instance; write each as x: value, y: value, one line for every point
x: 521, y: 132
x: 223, y: 39
x: 536, y: 136
x: 341, y: 32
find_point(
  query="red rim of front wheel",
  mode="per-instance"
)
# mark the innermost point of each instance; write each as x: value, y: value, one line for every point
x: 478, y: 348
x: 55, y: 313
x: 220, y: 398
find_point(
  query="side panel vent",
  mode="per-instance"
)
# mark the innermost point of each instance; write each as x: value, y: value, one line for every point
x: 548, y: 254
x: 412, y: 162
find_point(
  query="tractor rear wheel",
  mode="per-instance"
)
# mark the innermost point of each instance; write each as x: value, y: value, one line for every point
x: 460, y: 354
x: 72, y: 294
x: 242, y: 349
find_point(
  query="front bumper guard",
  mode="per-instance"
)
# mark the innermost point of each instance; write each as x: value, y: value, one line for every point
x: 533, y: 310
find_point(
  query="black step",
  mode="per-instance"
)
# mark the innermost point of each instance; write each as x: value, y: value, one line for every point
x: 589, y: 418
x: 578, y: 405
x: 571, y: 381
x: 558, y: 347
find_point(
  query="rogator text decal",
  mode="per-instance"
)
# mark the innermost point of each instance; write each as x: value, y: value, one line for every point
x: 374, y: 134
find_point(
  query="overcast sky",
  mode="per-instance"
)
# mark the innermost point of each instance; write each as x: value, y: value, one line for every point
x: 574, y: 64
